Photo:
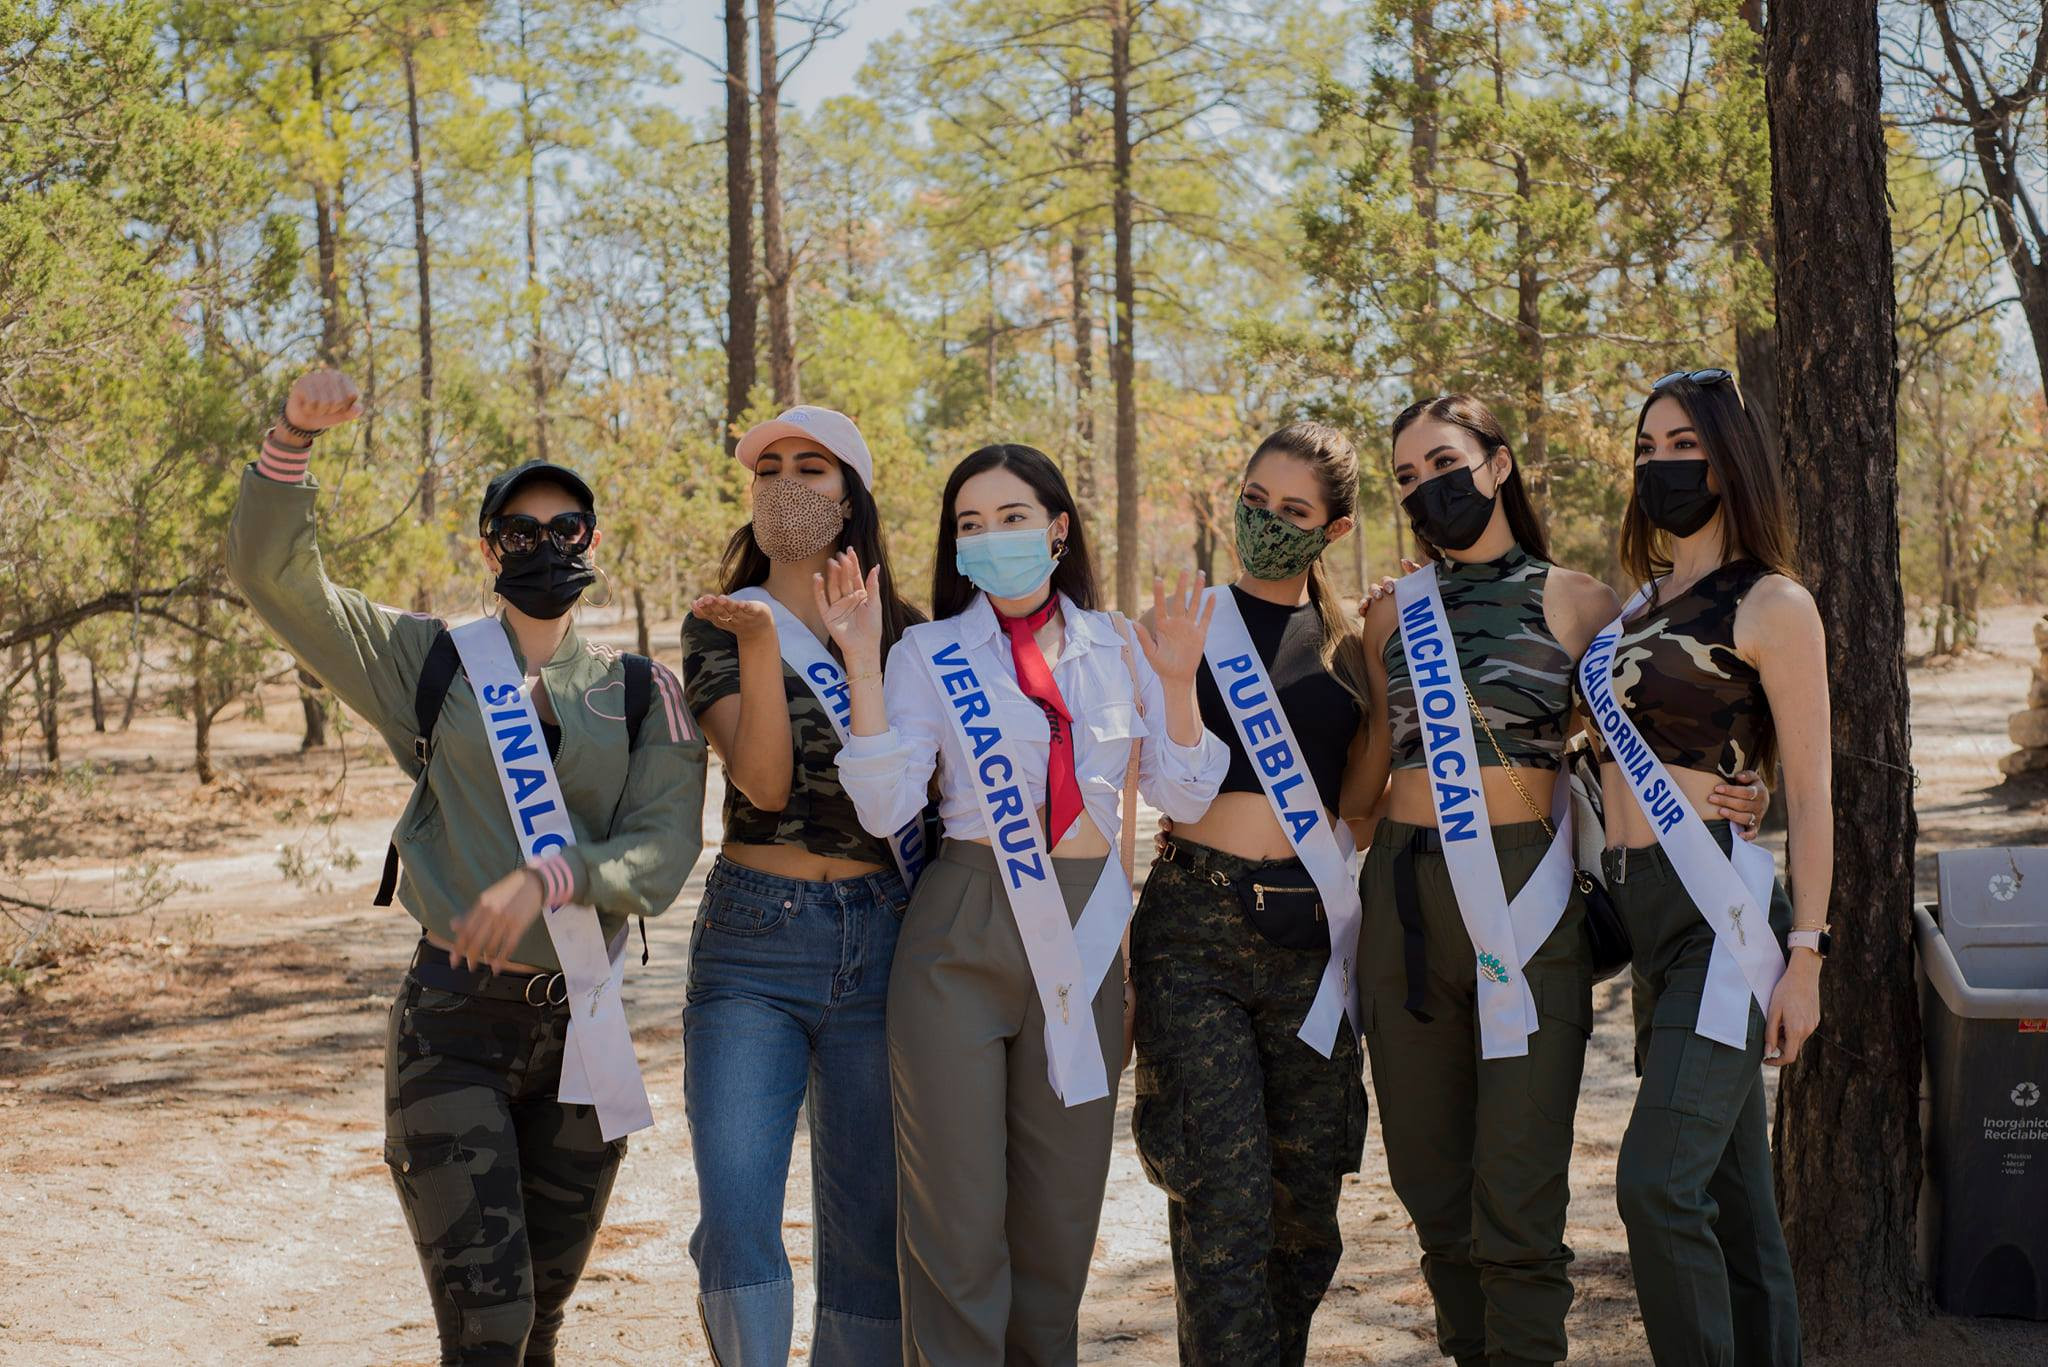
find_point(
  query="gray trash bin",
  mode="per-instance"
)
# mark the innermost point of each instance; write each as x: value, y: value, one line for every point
x: 1984, y: 1002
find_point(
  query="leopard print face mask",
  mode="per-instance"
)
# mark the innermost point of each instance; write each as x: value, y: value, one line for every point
x: 793, y: 521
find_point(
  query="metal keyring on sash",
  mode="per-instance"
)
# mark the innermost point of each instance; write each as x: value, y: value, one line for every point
x: 1505, y: 936
x: 1068, y: 960
x: 599, y: 1067
x: 1323, y: 846
x: 1731, y: 891
x: 814, y: 664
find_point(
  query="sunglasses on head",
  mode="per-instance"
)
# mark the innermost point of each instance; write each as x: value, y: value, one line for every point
x: 518, y: 534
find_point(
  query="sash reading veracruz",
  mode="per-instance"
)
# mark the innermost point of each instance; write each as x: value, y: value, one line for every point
x: 1067, y: 960
x: 1505, y: 936
x: 599, y: 1067
x: 1731, y: 892
x: 814, y: 664
x: 1323, y: 847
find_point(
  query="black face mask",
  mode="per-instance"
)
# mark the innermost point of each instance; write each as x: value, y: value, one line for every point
x: 547, y: 582
x: 1674, y: 494
x: 1449, y: 512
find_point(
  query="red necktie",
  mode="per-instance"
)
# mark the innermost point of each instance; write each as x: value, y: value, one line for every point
x: 1034, y: 676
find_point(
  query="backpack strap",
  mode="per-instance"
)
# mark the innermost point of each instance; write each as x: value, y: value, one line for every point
x: 639, y: 694
x: 429, y: 693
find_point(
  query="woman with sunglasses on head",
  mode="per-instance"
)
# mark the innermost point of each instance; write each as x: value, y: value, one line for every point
x: 1008, y: 1002
x: 1476, y: 971
x: 789, y: 959
x: 1719, y: 663
x: 1250, y: 1101
x: 550, y: 782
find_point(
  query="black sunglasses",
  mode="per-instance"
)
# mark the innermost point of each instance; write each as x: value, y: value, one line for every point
x: 1707, y: 378
x: 518, y: 534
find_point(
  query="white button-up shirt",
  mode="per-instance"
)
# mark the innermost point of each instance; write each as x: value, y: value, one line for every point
x: 887, y: 775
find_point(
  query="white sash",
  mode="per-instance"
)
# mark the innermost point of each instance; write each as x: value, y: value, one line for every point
x: 599, y: 1067
x: 1733, y: 892
x: 1504, y: 936
x: 1068, y: 959
x: 1323, y: 846
x: 814, y: 664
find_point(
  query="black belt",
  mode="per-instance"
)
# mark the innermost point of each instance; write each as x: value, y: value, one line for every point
x: 1216, y: 866
x: 1408, y: 907
x: 431, y: 968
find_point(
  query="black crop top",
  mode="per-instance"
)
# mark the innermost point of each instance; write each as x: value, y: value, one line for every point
x: 1322, y: 712
x: 1698, y: 703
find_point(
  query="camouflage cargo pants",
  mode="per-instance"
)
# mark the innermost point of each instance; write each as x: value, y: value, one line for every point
x: 504, y: 1188
x: 1247, y: 1129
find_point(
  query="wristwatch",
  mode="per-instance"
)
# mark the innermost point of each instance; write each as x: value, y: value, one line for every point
x: 1819, y: 941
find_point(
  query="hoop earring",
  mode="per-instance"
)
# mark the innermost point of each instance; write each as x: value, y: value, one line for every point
x: 487, y: 601
x: 609, y: 592
x: 1059, y: 547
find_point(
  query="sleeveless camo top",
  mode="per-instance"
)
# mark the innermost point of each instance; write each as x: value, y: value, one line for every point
x: 1520, y: 675
x: 1698, y: 704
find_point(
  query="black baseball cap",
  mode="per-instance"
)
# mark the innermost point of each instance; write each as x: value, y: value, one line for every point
x: 500, y: 490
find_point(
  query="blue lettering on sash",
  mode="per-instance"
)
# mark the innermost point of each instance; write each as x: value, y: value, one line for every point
x: 909, y: 843
x: 1420, y: 613
x: 516, y: 743
x: 832, y: 687
x: 983, y: 738
x: 1449, y: 796
x: 1439, y: 761
x: 1021, y: 869
x: 1426, y: 648
x: 1015, y: 838
x: 1245, y: 693
x: 1437, y: 703
x: 1259, y: 725
x: 1439, y: 734
x: 550, y: 841
x: 1276, y: 759
x: 525, y: 783
x: 497, y: 695
x: 1004, y: 802
x: 527, y: 814
x: 950, y: 656
x: 509, y: 714
x: 1458, y: 826
x: 1433, y: 674
x: 1236, y: 664
x: 1300, y: 823
x: 989, y: 777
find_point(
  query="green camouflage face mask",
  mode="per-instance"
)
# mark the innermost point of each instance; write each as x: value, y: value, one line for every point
x: 1271, y: 547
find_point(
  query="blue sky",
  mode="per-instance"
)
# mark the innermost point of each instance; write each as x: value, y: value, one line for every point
x: 699, y: 25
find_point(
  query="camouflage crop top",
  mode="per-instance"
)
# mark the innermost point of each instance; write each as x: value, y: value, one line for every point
x: 1520, y: 675
x: 1698, y: 703
x: 820, y: 816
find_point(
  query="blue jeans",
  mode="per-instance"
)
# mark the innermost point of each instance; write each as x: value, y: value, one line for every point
x: 788, y: 980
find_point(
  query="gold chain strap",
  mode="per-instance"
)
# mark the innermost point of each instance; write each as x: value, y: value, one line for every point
x: 1507, y: 768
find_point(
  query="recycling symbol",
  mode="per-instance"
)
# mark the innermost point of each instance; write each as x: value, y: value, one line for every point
x: 2026, y: 1094
x: 2004, y: 886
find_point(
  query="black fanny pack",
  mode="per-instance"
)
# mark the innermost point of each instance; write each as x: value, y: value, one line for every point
x: 1290, y: 916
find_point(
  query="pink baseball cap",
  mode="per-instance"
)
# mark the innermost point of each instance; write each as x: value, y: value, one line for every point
x: 832, y: 430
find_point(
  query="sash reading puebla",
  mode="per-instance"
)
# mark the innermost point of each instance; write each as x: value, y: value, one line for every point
x: 1505, y: 936
x: 1067, y: 960
x: 814, y: 664
x: 1731, y: 891
x: 1323, y: 847
x: 599, y: 1067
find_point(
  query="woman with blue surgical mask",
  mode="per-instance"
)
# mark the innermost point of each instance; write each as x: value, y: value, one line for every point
x: 1009, y: 1000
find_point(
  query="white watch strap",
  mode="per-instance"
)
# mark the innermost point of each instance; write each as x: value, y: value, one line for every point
x: 1804, y: 939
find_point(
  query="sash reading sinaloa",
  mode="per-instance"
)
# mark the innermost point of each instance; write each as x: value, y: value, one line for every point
x: 1505, y: 936
x: 814, y: 664
x: 1068, y: 960
x: 1731, y: 891
x: 599, y: 1067
x: 1323, y: 847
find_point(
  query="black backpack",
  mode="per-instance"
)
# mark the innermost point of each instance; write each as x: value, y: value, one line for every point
x: 439, y: 672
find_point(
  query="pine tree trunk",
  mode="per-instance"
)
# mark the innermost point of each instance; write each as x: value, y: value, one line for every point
x: 99, y: 706
x: 642, y: 640
x: 742, y: 303
x: 202, y: 715
x: 423, y: 257
x: 315, y: 712
x: 1847, y: 1142
x: 782, y: 364
x: 49, y: 687
x: 1422, y: 150
x: 1123, y: 347
x: 1756, y: 340
x: 326, y: 230
x: 536, y: 355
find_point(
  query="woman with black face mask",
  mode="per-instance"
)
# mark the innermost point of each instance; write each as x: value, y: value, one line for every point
x: 553, y: 775
x: 1475, y: 971
x: 1718, y: 663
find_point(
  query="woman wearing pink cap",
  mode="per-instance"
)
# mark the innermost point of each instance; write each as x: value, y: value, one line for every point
x: 789, y: 958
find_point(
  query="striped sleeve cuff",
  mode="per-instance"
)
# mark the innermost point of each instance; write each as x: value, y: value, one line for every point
x: 283, y: 463
x: 557, y: 879
x: 674, y: 710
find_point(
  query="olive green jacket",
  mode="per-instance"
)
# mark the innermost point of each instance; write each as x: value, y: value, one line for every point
x: 638, y: 817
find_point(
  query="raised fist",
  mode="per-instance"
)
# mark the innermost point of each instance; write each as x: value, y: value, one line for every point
x: 321, y: 399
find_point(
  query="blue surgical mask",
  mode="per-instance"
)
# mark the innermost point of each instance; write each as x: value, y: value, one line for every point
x: 1006, y: 564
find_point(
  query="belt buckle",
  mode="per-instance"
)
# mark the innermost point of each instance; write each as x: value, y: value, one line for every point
x: 1172, y: 851
x: 548, y: 983
x: 527, y: 992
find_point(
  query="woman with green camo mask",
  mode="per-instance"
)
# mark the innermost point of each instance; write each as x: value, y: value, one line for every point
x: 1250, y: 1104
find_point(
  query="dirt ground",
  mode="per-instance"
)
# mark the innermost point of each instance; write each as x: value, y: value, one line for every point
x: 190, y: 1107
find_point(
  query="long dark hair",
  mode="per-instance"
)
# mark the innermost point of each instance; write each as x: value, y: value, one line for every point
x: 1074, y: 575
x: 1328, y: 452
x: 1462, y: 410
x: 1754, y: 507
x: 745, y: 564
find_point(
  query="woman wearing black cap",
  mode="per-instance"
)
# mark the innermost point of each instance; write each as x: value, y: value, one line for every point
x: 560, y: 777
